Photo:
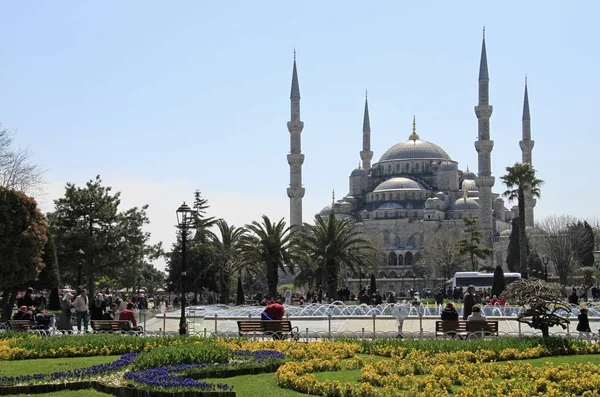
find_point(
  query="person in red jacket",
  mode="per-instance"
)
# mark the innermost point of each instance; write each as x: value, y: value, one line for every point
x: 128, y: 315
x: 273, y: 311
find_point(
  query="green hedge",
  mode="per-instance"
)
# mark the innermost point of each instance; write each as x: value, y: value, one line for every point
x: 188, y: 353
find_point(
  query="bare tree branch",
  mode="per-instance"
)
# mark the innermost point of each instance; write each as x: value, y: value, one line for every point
x: 17, y: 169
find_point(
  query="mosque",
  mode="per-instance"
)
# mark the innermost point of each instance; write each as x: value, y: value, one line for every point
x: 416, y: 187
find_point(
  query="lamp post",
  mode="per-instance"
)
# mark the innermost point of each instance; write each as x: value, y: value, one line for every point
x: 184, y: 222
x: 545, y: 261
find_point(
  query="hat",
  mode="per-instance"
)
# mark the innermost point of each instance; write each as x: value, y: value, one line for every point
x: 23, y: 309
x: 29, y: 289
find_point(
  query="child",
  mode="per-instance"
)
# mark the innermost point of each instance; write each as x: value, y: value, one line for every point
x: 584, y: 323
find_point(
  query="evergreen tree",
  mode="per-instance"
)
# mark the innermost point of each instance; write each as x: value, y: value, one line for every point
x: 499, y: 281
x: 472, y: 246
x: 513, y: 256
x: 240, y: 300
x: 373, y: 286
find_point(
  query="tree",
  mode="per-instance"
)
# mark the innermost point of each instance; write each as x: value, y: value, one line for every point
x: 513, y: 261
x: 499, y: 282
x: 152, y: 279
x: 441, y: 255
x: 22, y: 240
x: 543, y: 302
x: 521, y: 182
x: 49, y: 277
x: 373, y: 286
x: 94, y: 239
x: 588, y: 278
x: 554, y: 238
x: 239, y: 298
x: 17, y: 170
x: 267, y: 246
x: 339, y: 245
x: 583, y: 243
x: 226, y: 255
x: 472, y: 246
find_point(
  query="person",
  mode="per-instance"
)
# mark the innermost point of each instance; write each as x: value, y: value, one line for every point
x: 468, y: 302
x: 64, y: 320
x: 449, y: 313
x: 23, y: 314
x: 273, y: 311
x: 98, y: 307
x: 476, y: 314
x: 584, y: 322
x: 400, y: 312
x: 27, y: 299
x: 127, y: 314
x: 81, y: 305
x: 573, y: 298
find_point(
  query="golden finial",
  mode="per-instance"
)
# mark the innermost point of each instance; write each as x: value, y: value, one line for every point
x: 525, y: 78
x: 467, y: 168
x: 414, y: 137
x: 366, y: 93
x: 294, y: 53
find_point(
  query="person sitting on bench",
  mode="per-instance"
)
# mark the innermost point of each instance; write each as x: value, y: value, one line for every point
x: 273, y: 311
x: 23, y: 314
x: 128, y: 315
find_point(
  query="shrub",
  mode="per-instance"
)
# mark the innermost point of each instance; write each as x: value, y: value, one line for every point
x: 185, y: 353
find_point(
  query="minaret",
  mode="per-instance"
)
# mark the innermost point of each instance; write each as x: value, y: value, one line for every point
x: 526, y: 149
x: 484, y: 147
x: 295, y: 158
x: 366, y: 154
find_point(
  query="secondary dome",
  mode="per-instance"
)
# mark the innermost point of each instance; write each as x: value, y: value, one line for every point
x: 416, y: 149
x: 466, y: 204
x: 470, y: 184
x: 399, y: 183
x: 360, y: 172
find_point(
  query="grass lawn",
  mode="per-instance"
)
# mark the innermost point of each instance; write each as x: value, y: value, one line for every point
x: 558, y: 360
x: 48, y: 365
x: 69, y: 393
x: 256, y: 386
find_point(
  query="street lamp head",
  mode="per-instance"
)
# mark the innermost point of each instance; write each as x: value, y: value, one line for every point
x: 184, y: 215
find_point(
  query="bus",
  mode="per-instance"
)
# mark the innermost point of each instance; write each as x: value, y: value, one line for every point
x: 478, y: 280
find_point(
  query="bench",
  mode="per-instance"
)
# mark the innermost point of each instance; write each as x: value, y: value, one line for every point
x: 454, y: 329
x: 280, y: 329
x: 111, y: 325
x: 19, y: 325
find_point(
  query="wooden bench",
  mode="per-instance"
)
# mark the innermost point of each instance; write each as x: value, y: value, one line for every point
x: 19, y: 325
x: 279, y: 329
x: 111, y: 325
x: 460, y: 329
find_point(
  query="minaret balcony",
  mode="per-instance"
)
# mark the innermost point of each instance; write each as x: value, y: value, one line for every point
x: 485, y: 181
x: 295, y: 192
x: 527, y: 145
x: 484, y: 111
x: 295, y: 158
x: 484, y: 146
x: 295, y: 125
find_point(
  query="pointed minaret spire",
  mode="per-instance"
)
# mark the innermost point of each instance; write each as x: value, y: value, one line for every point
x: 484, y: 145
x: 295, y: 158
x: 295, y: 92
x: 366, y: 154
x: 333, y: 197
x: 526, y: 115
x: 526, y: 145
x: 414, y: 136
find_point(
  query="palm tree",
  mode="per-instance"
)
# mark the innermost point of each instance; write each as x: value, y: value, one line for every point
x: 337, y: 245
x: 521, y: 181
x: 226, y: 255
x: 267, y: 247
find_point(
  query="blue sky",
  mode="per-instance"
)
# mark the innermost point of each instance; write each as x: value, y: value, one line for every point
x: 161, y: 98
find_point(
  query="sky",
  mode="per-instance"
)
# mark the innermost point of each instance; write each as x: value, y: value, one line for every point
x: 163, y: 98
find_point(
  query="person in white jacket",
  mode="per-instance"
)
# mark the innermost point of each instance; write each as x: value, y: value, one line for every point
x: 477, y: 314
x: 400, y: 312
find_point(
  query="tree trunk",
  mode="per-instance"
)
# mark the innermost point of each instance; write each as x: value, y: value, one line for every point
x: 545, y: 330
x: 272, y: 280
x: 522, y: 235
x: 9, y: 297
x: 224, y: 287
x: 332, y: 279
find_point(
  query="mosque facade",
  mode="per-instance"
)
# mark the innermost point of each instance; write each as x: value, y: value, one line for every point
x: 416, y: 187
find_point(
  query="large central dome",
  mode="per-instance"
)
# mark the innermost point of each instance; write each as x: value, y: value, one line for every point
x: 415, y: 149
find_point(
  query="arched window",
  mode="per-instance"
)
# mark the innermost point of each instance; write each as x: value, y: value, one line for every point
x: 397, y: 167
x: 377, y: 197
x: 417, y: 167
x: 392, y: 259
x: 393, y: 275
x: 386, y: 237
x: 412, y: 241
x: 409, y: 259
x: 426, y: 167
x: 400, y: 260
x: 397, y: 239
x: 389, y: 170
x: 381, y: 275
x: 407, y: 167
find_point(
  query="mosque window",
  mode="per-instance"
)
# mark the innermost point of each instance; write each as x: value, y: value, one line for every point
x: 412, y: 241
x: 426, y: 167
x: 407, y: 167
x: 377, y: 197
x: 400, y: 260
x: 417, y: 167
x: 397, y: 167
x: 397, y: 240
x: 389, y: 169
x: 386, y: 237
x: 409, y: 259
x: 392, y: 259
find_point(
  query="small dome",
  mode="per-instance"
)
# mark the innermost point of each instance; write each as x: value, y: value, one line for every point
x: 448, y: 166
x: 506, y: 232
x: 392, y: 205
x: 325, y: 211
x: 470, y: 184
x: 469, y: 175
x: 399, y: 183
x: 359, y: 172
x: 466, y: 204
x: 415, y: 149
